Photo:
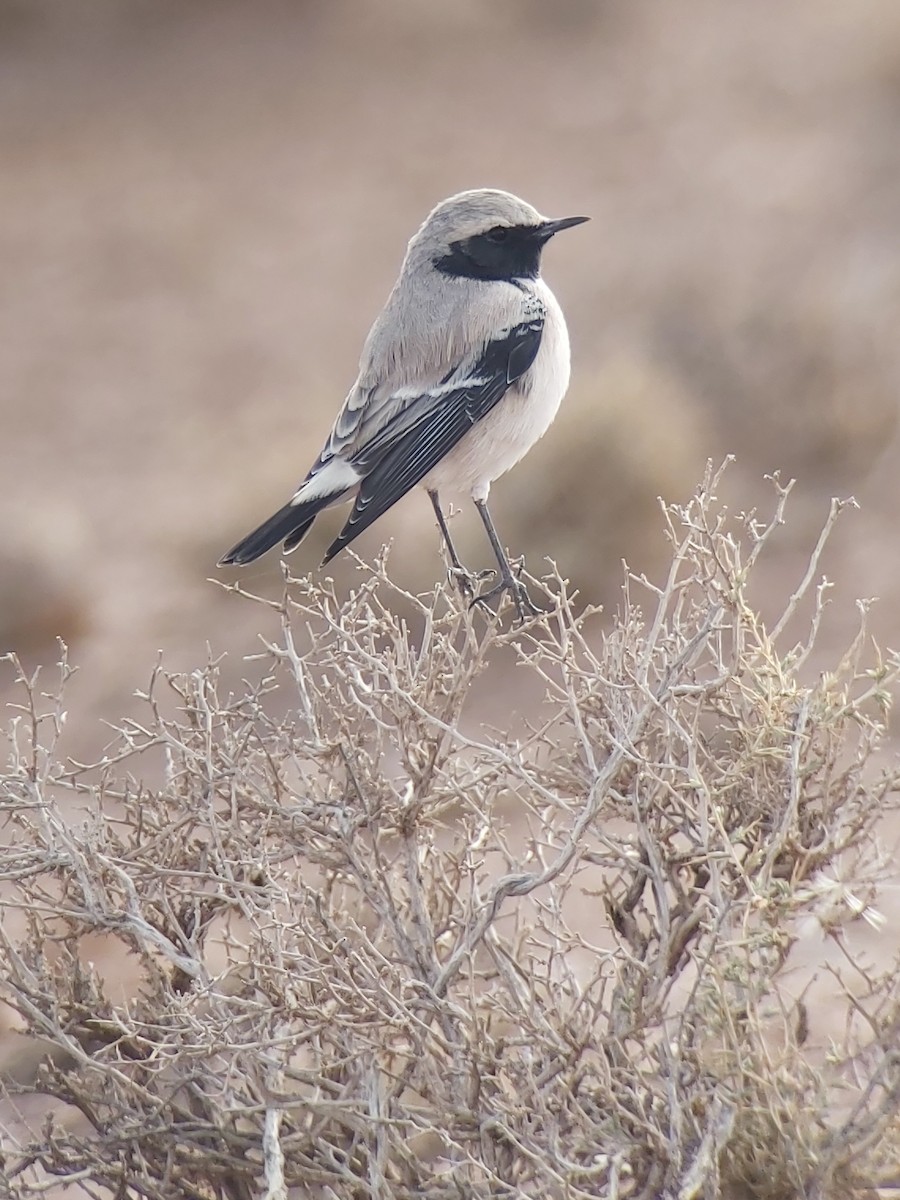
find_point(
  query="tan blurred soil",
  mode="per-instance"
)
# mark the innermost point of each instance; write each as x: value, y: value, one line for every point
x: 203, y: 206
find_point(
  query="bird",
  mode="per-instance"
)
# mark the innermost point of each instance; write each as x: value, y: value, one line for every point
x: 462, y: 372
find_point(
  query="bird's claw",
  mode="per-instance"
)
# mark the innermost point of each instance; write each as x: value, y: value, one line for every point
x: 467, y: 581
x: 525, y: 606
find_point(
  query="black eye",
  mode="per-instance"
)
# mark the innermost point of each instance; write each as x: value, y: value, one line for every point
x: 498, y: 236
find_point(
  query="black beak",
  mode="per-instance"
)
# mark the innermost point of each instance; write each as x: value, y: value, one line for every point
x: 549, y: 228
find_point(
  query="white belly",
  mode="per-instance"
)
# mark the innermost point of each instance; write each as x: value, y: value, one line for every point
x: 509, y: 430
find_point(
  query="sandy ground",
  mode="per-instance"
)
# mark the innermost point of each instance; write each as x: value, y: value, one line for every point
x: 203, y: 206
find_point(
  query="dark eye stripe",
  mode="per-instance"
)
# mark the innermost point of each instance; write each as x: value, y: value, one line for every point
x: 504, y: 252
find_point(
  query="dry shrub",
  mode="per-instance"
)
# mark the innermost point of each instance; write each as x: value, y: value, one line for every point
x: 384, y: 954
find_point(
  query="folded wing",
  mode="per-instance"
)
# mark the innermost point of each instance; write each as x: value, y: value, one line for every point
x: 426, y: 428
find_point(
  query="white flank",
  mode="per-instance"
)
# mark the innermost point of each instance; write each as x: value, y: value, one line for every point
x: 500, y: 439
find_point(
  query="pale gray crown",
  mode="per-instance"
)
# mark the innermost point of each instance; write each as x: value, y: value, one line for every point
x: 466, y: 215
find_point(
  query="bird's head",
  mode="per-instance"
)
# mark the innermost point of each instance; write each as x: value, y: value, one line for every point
x: 487, y: 235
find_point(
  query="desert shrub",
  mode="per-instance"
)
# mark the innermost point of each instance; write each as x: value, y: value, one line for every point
x: 383, y: 952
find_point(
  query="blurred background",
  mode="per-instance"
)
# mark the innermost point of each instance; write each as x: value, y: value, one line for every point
x: 203, y: 206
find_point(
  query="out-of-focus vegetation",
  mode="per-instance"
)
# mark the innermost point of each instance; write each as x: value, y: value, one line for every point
x: 203, y: 206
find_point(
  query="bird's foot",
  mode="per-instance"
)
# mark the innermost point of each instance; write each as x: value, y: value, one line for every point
x: 468, y: 581
x: 525, y: 606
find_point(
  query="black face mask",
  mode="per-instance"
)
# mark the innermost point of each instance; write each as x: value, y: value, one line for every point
x: 504, y: 252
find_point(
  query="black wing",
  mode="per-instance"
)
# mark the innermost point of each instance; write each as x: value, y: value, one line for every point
x: 394, y: 465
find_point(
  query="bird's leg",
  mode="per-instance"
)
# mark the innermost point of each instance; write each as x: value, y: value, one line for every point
x: 464, y: 579
x: 508, y: 581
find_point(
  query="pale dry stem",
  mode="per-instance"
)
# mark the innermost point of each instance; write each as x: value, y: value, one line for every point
x: 384, y: 953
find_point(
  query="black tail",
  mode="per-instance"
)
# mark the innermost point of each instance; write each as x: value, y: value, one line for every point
x: 289, y: 525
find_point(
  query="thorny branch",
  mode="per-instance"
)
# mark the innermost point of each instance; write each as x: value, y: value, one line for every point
x: 384, y: 953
